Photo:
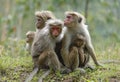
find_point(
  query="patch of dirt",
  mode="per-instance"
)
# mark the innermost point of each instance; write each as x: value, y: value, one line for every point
x: 114, y: 80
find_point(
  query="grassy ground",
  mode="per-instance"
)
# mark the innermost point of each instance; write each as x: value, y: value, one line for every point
x: 16, y: 64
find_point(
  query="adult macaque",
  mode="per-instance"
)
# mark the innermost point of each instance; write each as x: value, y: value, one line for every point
x: 42, y: 50
x: 42, y: 17
x: 29, y: 40
x: 75, y: 23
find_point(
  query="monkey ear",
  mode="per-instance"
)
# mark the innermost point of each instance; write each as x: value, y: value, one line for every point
x: 79, y: 20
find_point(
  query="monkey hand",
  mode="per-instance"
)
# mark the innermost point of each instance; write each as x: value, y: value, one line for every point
x: 65, y: 71
x: 99, y: 65
x: 82, y: 71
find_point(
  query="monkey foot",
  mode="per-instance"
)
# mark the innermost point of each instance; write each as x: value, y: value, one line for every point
x: 65, y: 71
x: 82, y: 71
x: 89, y: 66
x: 99, y: 65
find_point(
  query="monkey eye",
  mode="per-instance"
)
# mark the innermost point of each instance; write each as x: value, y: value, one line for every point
x: 51, y: 25
x: 48, y: 18
x: 69, y: 16
x: 28, y: 36
x: 39, y: 20
x: 55, y: 28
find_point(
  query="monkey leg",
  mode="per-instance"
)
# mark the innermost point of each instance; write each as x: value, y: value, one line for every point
x: 42, y: 61
x: 85, y: 64
x: 44, y: 76
x: 73, y: 58
x: 53, y: 61
x: 32, y: 74
x: 35, y: 61
x: 81, y: 58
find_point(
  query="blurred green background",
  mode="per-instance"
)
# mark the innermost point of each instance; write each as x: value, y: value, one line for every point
x: 17, y: 16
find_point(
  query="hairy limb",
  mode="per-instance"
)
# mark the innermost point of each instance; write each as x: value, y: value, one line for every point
x: 29, y: 78
x: 92, y: 54
x: 73, y: 58
x: 44, y: 75
x: 65, y: 50
x: 53, y: 61
x: 42, y: 62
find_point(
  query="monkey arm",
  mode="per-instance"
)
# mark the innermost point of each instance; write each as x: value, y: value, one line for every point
x: 65, y: 50
x: 39, y: 46
x: 92, y: 53
x: 89, y: 46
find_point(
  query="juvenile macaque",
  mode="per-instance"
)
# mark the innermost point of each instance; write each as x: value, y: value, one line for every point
x: 75, y: 23
x: 79, y: 42
x: 29, y: 40
x: 42, y: 50
x: 42, y: 17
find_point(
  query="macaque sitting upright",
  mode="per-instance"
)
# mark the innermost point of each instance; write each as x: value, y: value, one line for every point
x: 42, y: 50
x: 75, y: 23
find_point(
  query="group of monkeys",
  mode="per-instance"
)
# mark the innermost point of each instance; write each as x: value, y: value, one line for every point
x: 56, y: 44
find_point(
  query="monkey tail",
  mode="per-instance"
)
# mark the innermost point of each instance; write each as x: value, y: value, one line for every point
x: 110, y: 61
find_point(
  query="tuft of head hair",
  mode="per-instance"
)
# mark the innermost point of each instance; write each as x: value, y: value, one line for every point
x: 81, y: 18
x: 46, y: 15
x: 30, y: 32
x: 55, y: 22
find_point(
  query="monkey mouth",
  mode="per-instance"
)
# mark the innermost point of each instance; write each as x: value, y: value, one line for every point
x: 66, y: 23
x: 56, y: 35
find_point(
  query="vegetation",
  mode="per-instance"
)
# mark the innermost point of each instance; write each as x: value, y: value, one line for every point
x: 17, y: 17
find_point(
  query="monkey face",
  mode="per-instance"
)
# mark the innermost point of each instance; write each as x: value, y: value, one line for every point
x: 55, y: 30
x: 70, y: 20
x: 40, y: 23
x: 79, y: 43
x: 79, y: 40
x: 30, y: 36
x: 29, y: 39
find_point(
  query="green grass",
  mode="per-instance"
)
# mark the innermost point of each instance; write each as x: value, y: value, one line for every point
x: 16, y: 64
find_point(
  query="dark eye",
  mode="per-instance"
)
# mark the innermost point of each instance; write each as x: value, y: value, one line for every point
x: 48, y: 18
x: 28, y: 36
x: 50, y: 25
x: 39, y: 20
x: 68, y: 17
